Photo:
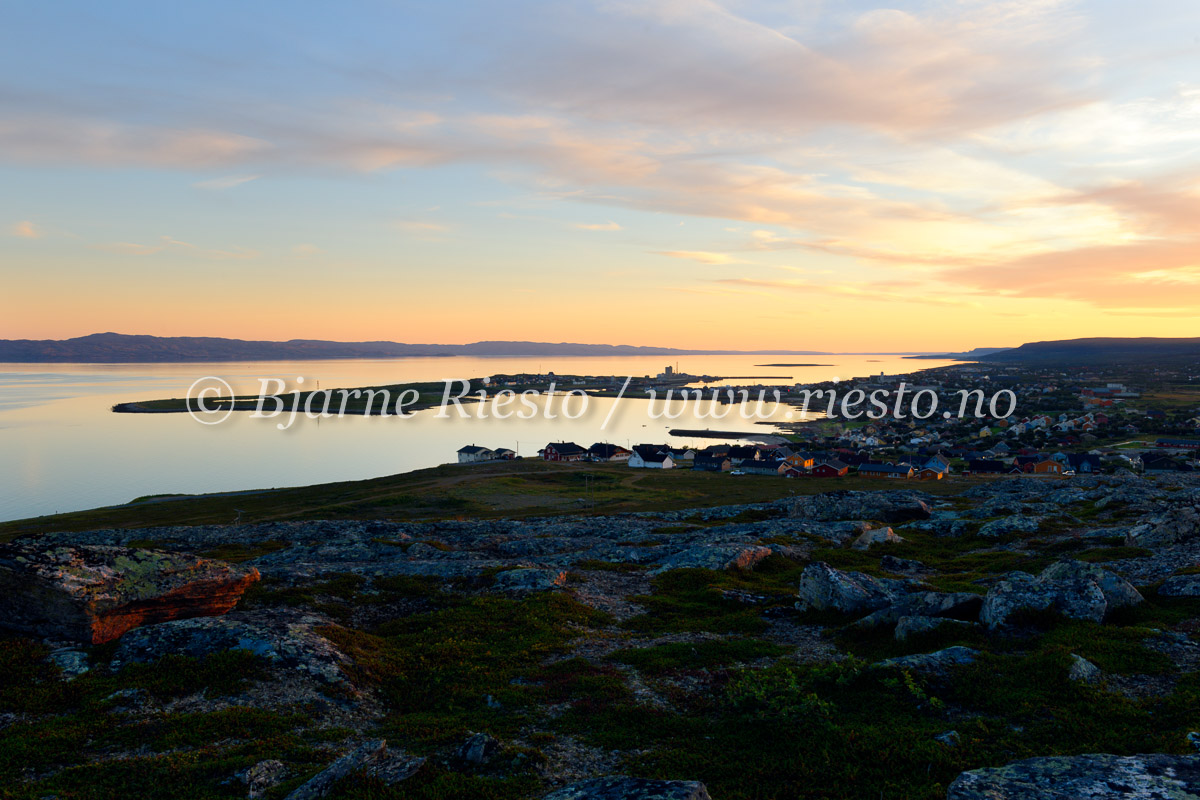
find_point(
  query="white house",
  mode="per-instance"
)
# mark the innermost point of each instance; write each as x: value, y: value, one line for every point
x: 648, y: 456
x: 473, y: 453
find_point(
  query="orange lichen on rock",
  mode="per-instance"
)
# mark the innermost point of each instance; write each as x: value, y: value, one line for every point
x: 94, y: 594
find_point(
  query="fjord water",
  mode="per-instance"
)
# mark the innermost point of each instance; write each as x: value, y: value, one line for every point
x: 64, y: 450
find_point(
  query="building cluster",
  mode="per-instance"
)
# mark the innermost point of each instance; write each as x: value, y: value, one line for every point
x: 750, y: 459
x: 1065, y: 423
x: 473, y: 454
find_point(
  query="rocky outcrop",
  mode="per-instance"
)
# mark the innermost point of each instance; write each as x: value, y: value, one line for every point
x: 70, y: 661
x: 372, y: 757
x: 1071, y: 588
x: 1008, y: 525
x: 618, y: 788
x: 884, y: 506
x: 935, y: 663
x: 876, y: 536
x: 530, y: 580
x: 910, y: 626
x: 1089, y: 777
x: 477, y: 750
x: 823, y: 588
x: 941, y: 526
x: 900, y: 566
x: 285, y: 639
x: 263, y: 776
x: 716, y: 557
x: 1178, y: 525
x: 94, y: 594
x: 951, y: 605
x: 1181, y: 586
x: 362, y: 757
x: 1082, y: 670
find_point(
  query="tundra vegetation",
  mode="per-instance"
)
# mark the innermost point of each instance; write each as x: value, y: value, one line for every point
x: 690, y: 628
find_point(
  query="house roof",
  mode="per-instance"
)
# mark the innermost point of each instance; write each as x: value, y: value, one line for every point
x: 887, y: 468
x: 834, y: 463
x: 763, y: 466
x: 566, y: 448
x: 473, y: 449
x: 605, y: 449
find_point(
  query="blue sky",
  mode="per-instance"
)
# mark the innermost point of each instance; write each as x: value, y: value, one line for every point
x: 800, y: 174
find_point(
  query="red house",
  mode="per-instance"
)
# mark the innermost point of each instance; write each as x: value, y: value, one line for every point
x: 830, y: 469
x: 564, y: 451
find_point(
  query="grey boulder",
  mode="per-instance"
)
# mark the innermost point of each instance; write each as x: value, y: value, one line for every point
x: 1082, y: 670
x: 477, y: 750
x: 363, y: 757
x: 936, y: 663
x: 286, y: 641
x: 716, y: 557
x: 824, y: 588
x: 876, y: 536
x: 1071, y: 588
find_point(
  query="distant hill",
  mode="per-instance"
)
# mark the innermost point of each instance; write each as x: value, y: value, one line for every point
x: 968, y: 355
x: 122, y: 348
x: 1145, y: 351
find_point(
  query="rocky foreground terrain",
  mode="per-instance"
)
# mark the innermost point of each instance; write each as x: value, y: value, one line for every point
x: 1026, y: 639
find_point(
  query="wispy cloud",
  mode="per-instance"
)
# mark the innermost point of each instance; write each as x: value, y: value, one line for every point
x: 129, y: 248
x: 228, y: 182
x: 26, y: 230
x: 421, y: 226
x: 64, y: 138
x: 922, y: 297
x: 702, y: 256
x: 170, y: 244
x: 601, y: 226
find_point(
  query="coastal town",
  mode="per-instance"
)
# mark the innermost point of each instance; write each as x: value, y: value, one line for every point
x: 1098, y: 421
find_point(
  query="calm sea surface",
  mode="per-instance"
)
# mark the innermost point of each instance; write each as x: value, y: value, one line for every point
x: 62, y: 449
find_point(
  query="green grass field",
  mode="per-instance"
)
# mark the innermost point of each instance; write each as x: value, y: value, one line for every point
x: 502, y: 489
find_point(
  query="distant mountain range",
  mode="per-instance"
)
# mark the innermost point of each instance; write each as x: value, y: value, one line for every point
x: 967, y: 355
x: 1144, y: 351
x: 117, y: 347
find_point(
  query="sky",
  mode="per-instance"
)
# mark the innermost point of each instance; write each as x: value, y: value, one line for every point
x: 747, y: 174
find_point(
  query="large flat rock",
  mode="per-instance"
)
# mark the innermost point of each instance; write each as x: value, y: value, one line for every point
x: 1091, y: 777
x: 95, y: 593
